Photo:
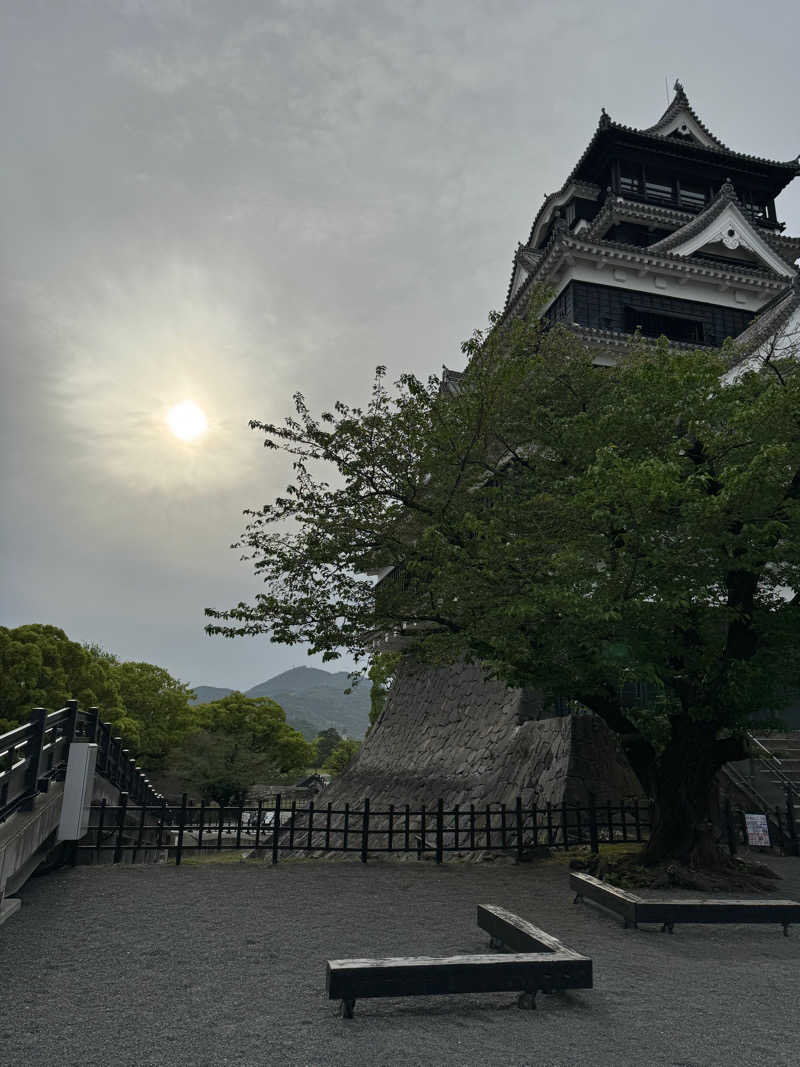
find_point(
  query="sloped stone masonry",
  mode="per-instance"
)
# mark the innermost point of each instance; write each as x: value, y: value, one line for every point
x: 450, y: 733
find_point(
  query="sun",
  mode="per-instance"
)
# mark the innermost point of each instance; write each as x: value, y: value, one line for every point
x: 187, y: 421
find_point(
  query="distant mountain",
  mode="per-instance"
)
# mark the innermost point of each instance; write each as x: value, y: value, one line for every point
x: 312, y: 699
x: 205, y: 694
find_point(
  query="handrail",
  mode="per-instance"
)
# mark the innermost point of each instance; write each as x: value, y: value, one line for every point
x: 775, y: 763
x: 744, y: 783
x: 39, y: 749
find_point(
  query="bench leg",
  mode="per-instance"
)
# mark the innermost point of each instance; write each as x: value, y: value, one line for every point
x: 495, y: 942
x: 527, y: 1000
x: 347, y: 1009
x: 668, y: 927
x: 578, y: 898
x: 785, y: 929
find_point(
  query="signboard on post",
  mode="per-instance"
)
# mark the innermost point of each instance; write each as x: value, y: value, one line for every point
x: 757, y: 829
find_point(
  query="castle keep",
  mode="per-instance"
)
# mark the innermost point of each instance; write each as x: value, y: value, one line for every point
x: 657, y: 231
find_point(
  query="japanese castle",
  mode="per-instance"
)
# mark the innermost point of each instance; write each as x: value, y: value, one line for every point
x: 664, y: 230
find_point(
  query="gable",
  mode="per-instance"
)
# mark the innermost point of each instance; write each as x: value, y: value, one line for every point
x: 731, y: 236
x: 684, y: 126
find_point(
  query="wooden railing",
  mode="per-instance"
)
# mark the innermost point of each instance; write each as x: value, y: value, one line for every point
x: 362, y: 830
x: 35, y: 753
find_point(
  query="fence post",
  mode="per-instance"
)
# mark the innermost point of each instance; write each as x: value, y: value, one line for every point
x: 276, y: 827
x: 100, y: 821
x: 258, y: 822
x: 439, y: 829
x: 594, y: 844
x: 71, y: 723
x: 365, y: 831
x: 92, y: 723
x: 123, y: 809
x: 115, y: 749
x: 518, y: 816
x: 105, y: 748
x: 33, y: 754
x: 310, y: 824
x: 181, y: 825
x: 161, y: 819
x: 140, y: 835
x: 790, y: 818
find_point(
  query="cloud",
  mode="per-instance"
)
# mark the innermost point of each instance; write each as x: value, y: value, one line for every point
x: 132, y: 343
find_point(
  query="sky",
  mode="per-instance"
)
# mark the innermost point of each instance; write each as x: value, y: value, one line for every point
x: 228, y: 202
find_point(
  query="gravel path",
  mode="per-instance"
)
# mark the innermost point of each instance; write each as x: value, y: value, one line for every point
x: 225, y: 964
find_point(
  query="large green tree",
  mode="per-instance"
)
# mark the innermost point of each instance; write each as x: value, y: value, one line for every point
x: 158, y: 706
x: 261, y: 725
x: 571, y: 527
x: 221, y: 767
x: 239, y: 742
x: 41, y: 667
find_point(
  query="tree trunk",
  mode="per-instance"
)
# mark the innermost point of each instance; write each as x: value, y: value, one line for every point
x: 686, y: 824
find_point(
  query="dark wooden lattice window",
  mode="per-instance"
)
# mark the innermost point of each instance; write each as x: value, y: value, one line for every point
x: 630, y: 180
x: 659, y: 188
x: 692, y: 196
x: 656, y: 323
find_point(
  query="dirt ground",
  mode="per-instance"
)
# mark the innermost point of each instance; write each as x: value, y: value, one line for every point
x: 215, y: 964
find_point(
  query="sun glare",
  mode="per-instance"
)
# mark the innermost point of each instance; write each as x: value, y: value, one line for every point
x: 187, y: 421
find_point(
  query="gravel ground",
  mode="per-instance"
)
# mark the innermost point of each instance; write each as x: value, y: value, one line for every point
x: 225, y: 964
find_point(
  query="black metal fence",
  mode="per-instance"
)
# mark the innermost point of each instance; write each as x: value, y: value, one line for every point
x: 35, y: 753
x: 273, y: 829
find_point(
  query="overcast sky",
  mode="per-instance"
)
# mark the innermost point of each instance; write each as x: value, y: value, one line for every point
x: 231, y: 201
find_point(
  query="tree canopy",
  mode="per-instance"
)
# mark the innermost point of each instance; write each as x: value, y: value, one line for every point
x: 41, y: 667
x: 342, y: 755
x: 571, y: 527
x: 240, y: 741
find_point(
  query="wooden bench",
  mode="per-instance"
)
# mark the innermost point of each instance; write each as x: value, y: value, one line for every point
x: 543, y: 963
x: 670, y: 910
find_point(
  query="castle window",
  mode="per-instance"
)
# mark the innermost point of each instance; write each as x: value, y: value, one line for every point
x: 630, y: 180
x: 654, y: 324
x: 692, y: 196
x: 659, y: 188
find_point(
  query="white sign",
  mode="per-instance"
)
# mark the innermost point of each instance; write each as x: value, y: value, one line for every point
x: 78, y: 787
x: 757, y: 829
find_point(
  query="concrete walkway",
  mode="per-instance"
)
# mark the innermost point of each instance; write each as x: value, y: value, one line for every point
x: 225, y: 964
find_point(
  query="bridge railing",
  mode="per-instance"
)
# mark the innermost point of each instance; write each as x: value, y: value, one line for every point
x: 34, y: 754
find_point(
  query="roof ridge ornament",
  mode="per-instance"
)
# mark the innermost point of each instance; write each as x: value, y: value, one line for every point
x: 727, y: 190
x: 605, y: 119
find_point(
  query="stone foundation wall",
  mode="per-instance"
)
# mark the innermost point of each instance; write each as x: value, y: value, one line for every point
x: 450, y: 733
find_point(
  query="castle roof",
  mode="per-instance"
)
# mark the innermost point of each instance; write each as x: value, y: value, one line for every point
x: 681, y: 120
x: 680, y: 130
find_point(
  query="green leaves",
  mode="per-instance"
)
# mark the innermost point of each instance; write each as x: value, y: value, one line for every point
x: 573, y: 527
